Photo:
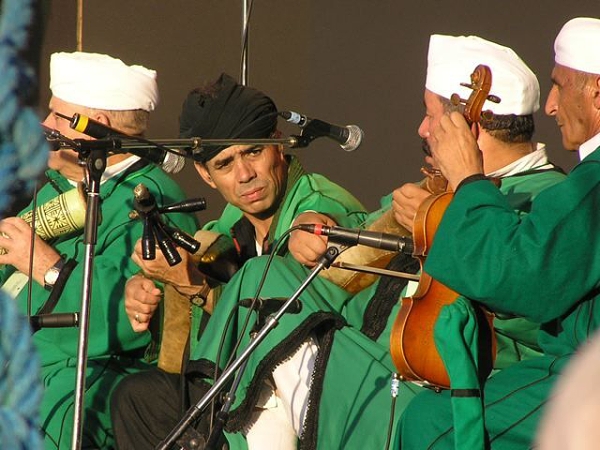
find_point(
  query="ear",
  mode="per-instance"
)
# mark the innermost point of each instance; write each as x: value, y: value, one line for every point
x: 596, y: 92
x: 477, y: 128
x: 205, y: 174
x: 281, y: 151
x: 482, y: 134
x: 102, y: 118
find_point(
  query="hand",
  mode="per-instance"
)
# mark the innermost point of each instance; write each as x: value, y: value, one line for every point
x: 142, y: 298
x: 454, y: 149
x: 16, y: 240
x: 159, y: 269
x: 406, y: 202
x: 307, y: 247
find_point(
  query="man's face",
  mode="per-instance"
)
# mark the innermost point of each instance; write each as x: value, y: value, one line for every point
x: 252, y: 178
x: 434, y: 110
x: 64, y: 161
x: 570, y: 103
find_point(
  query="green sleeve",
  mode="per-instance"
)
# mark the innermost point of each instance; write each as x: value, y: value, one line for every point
x: 316, y: 193
x: 110, y: 331
x: 223, y: 224
x: 488, y: 252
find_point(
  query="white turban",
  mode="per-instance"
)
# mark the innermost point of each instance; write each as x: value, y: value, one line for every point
x: 577, y: 46
x: 452, y: 59
x: 102, y: 82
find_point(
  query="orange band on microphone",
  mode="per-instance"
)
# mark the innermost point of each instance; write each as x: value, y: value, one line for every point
x: 319, y: 229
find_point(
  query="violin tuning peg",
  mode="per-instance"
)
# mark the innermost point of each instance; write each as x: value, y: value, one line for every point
x: 493, y: 98
x: 456, y: 100
x: 487, y: 114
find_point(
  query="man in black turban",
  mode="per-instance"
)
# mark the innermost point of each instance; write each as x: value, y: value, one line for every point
x: 265, y: 190
x: 207, y: 113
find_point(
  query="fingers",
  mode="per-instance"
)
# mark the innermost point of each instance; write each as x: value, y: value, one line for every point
x: 15, y: 239
x: 456, y: 119
x: 305, y: 247
x: 454, y: 149
x: 142, y: 298
x: 16, y: 223
x: 139, y: 323
x: 406, y: 201
x: 308, y: 250
x: 14, y: 230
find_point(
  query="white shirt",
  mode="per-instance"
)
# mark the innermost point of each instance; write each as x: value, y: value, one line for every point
x: 115, y: 169
x: 589, y: 146
x: 534, y: 160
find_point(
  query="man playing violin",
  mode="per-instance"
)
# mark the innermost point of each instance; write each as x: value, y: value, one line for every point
x: 345, y: 335
x: 509, y: 154
x: 521, y: 268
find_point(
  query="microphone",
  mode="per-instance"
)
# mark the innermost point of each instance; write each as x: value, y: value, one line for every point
x: 271, y: 305
x: 56, y: 140
x: 169, y: 161
x: 349, y: 137
x: 351, y: 237
x: 55, y: 320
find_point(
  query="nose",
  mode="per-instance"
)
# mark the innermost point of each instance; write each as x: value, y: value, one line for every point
x: 244, y: 170
x: 46, y: 121
x: 552, y: 102
x: 424, y: 128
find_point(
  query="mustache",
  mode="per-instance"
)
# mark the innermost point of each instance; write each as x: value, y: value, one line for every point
x: 425, y: 147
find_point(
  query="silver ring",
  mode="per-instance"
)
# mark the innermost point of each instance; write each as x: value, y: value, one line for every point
x: 137, y: 318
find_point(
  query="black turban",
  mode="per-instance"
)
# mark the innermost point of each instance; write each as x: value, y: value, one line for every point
x: 226, y: 110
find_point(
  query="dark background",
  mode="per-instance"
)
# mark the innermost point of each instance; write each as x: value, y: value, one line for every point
x: 343, y: 61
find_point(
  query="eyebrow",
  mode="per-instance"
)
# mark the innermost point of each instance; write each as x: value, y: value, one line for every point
x: 220, y: 162
x: 253, y: 148
x: 227, y: 159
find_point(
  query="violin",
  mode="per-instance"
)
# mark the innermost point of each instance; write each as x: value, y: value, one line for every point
x: 412, y: 343
x: 362, y: 265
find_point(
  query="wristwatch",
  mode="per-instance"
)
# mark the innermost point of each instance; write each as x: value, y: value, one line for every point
x: 52, y: 274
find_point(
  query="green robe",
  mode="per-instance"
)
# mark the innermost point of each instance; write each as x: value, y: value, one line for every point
x: 542, y: 266
x: 349, y: 397
x: 304, y: 192
x: 114, y: 349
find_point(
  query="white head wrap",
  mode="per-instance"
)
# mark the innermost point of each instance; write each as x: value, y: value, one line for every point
x: 452, y: 59
x: 577, y: 45
x: 102, y: 82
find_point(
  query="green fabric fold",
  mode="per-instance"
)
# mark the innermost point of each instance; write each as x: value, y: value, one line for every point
x: 456, y: 333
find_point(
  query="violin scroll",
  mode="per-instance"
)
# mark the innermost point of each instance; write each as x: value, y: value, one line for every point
x: 481, y: 84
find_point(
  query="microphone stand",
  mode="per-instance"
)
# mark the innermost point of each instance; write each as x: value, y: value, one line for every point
x: 194, y: 412
x: 246, y: 8
x: 191, y: 146
x: 95, y: 158
x: 223, y: 414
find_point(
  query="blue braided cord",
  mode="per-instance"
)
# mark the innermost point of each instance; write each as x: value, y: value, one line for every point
x: 20, y: 386
x: 23, y: 152
x: 23, y: 149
